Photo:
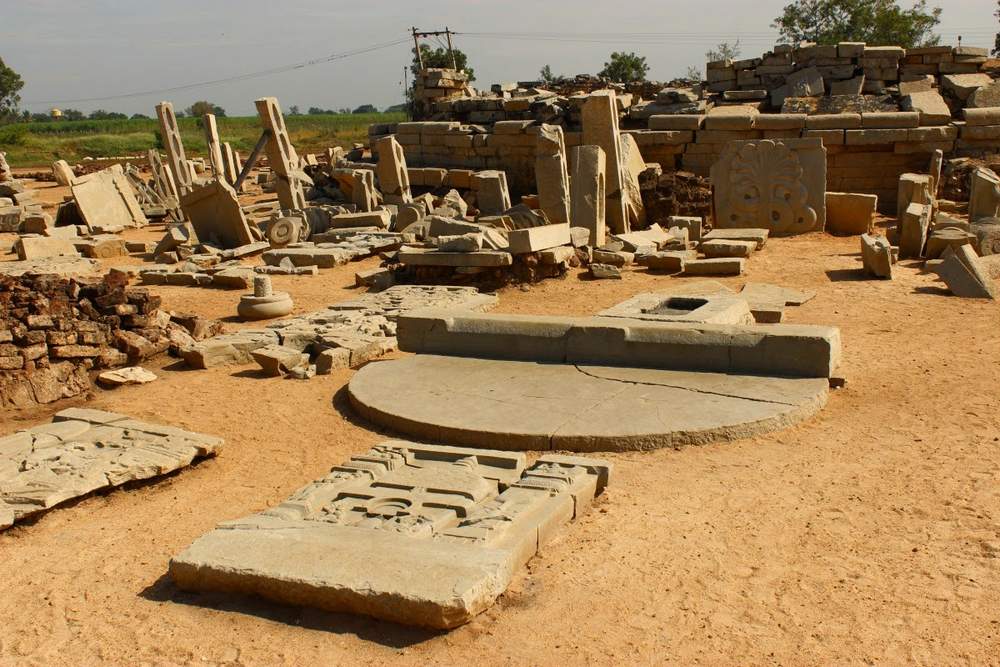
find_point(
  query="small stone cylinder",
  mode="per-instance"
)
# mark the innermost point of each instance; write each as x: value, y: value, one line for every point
x: 262, y: 285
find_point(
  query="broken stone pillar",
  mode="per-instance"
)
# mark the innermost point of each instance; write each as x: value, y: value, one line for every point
x: 552, y: 174
x: 176, y: 159
x: 214, y: 146
x: 492, y: 195
x: 600, y: 128
x: 588, y: 192
x: 913, y: 189
x: 984, y: 194
x: 5, y: 172
x: 281, y: 155
x: 216, y: 215
x: 913, y: 226
x: 393, y: 178
x: 876, y: 256
x: 164, y: 184
x: 63, y: 172
x: 229, y: 164
x: 937, y: 161
x: 632, y: 166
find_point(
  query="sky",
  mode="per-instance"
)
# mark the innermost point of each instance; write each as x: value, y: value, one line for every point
x: 68, y: 51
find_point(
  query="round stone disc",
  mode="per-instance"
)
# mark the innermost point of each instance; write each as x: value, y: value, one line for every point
x: 525, y: 405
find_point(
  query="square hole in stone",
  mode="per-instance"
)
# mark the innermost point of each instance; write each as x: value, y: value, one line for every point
x: 676, y: 305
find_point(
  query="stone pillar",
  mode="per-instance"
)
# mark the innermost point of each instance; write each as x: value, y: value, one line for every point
x: 214, y: 146
x: 492, y: 195
x: 164, y: 184
x: 229, y: 163
x: 588, y: 192
x: 551, y: 174
x: 281, y: 154
x: 600, y: 128
x: 937, y: 161
x: 632, y: 165
x: 913, y: 189
x: 393, y: 179
x: 176, y: 160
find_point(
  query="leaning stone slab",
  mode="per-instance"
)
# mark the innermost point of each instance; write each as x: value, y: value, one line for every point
x: 82, y: 451
x: 215, y: 213
x: 961, y: 272
x: 417, y: 534
x: 876, y: 256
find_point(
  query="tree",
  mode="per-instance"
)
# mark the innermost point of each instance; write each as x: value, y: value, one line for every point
x: 724, y: 51
x: 202, y: 107
x: 880, y: 22
x: 72, y: 114
x: 625, y: 68
x: 139, y: 116
x: 11, y: 84
x: 366, y: 108
x: 294, y: 110
x: 440, y: 57
x: 101, y: 114
x: 693, y: 73
x: 547, y: 75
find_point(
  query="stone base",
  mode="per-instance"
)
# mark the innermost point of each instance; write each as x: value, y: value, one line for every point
x: 523, y: 405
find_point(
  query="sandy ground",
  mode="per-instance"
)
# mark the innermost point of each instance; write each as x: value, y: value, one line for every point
x: 869, y: 534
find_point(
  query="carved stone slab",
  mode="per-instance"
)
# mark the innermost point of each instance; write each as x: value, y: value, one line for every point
x: 775, y: 185
x: 85, y: 450
x: 105, y: 198
x: 417, y: 534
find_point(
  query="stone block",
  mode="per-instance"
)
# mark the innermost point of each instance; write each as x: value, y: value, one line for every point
x: 492, y: 195
x: 522, y: 241
x: 727, y: 248
x: 850, y: 213
x: 456, y: 567
x: 215, y: 214
x: 876, y: 256
x: 677, y: 122
x: 913, y: 226
x: 758, y: 236
x: 889, y: 120
x: 731, y: 118
x: 600, y: 128
x: 715, y: 266
x: 874, y: 137
x: 775, y: 185
x: 780, y: 121
x: 913, y: 188
x: 588, y: 193
x: 961, y: 272
x: 947, y: 237
x: 836, y: 121
x: 36, y: 247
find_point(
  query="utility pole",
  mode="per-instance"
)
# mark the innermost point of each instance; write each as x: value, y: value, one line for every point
x: 417, y: 34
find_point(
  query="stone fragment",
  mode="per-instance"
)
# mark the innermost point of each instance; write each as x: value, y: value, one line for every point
x: 332, y: 359
x: 84, y: 450
x: 984, y: 194
x: 522, y: 241
x: 850, y: 213
x: 393, y: 177
x: 278, y: 360
x: 633, y: 165
x: 472, y: 242
x: 727, y: 248
x: 669, y: 261
x: 913, y: 189
x: 848, y: 86
x: 106, y: 199
x: 421, y: 257
x: 37, y: 247
x: 961, y: 272
x: 123, y: 376
x: 987, y: 236
x: 716, y: 266
x: 962, y: 86
x: 876, y: 255
x: 600, y: 271
x: 913, y: 226
x: 759, y: 236
x: 984, y: 97
x: 930, y: 105
x: 337, y: 544
x: 492, y: 195
x: 181, y: 176
x: 63, y: 172
x: 281, y: 155
x: 946, y: 237
x: 215, y: 214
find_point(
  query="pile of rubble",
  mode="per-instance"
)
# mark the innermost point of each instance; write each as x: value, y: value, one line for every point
x: 53, y: 331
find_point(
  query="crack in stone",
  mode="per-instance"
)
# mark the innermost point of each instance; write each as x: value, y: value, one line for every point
x: 674, y: 386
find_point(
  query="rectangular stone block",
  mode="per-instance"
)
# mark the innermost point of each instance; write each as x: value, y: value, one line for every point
x: 849, y: 213
x: 538, y: 238
x: 780, y: 121
x: 888, y: 120
x: 336, y: 544
x: 870, y: 137
x: 837, y: 121
x: 677, y: 122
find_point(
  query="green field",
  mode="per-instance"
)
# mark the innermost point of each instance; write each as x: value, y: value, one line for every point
x: 40, y: 144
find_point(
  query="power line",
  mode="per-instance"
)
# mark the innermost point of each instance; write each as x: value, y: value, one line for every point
x: 241, y: 77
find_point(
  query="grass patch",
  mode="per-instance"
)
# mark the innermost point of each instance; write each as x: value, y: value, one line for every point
x: 39, y: 144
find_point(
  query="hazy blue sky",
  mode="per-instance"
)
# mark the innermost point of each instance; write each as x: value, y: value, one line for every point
x: 68, y: 50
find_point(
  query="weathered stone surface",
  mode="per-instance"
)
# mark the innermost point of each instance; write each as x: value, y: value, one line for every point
x: 510, y: 404
x: 962, y: 86
x: 105, y: 198
x: 412, y: 533
x: 281, y: 155
x: 715, y: 266
x: 913, y: 189
x: 471, y: 242
x: 600, y: 128
x: 588, y: 187
x: 946, y: 237
x: 984, y: 194
x: 744, y: 234
x: 63, y: 172
x: 850, y: 213
x: 215, y: 213
x: 985, y: 96
x: 552, y: 174
x: 775, y: 185
x: 538, y: 238
x: 679, y: 305
x: 278, y: 360
x: 633, y: 165
x: 600, y: 271
x: 670, y: 261
x: 876, y: 256
x: 123, y: 376
x: 961, y: 272
x: 39, y: 247
x: 182, y: 180
x: 913, y: 226
x: 393, y: 177
x: 423, y: 257
x: 930, y: 105
x: 727, y: 248
x: 492, y: 194
x: 82, y: 451
x: 987, y: 236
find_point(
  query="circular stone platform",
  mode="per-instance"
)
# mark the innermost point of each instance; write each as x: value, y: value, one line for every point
x: 523, y: 405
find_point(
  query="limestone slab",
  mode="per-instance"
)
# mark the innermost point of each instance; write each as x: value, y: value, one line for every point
x: 542, y: 406
x: 850, y: 213
x: 84, y: 450
x: 412, y: 533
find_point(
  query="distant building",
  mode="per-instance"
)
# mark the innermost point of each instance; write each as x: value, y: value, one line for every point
x: 55, y: 113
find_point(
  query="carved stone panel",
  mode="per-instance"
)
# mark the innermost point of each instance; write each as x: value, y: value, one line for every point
x: 418, y: 534
x: 775, y: 185
x: 85, y: 450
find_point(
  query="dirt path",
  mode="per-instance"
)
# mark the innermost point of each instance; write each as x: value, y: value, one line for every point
x: 869, y: 534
